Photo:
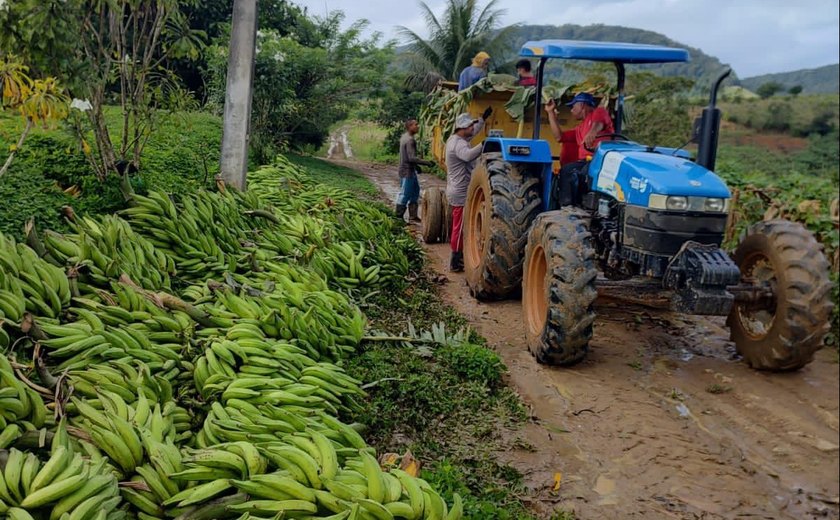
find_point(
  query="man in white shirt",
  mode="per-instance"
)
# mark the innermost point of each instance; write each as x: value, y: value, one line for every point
x: 460, y: 162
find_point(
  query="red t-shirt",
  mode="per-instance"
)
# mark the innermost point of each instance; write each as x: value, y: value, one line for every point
x: 527, y: 82
x: 599, y: 115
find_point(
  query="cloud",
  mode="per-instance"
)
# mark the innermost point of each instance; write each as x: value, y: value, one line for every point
x: 754, y: 36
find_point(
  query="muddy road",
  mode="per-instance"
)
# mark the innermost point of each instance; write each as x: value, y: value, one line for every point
x: 661, y: 420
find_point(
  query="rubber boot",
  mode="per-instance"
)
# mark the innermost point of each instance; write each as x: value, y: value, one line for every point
x: 400, y: 211
x: 456, y: 262
x: 412, y: 213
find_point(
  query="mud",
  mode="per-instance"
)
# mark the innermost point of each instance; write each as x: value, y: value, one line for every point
x: 662, y: 420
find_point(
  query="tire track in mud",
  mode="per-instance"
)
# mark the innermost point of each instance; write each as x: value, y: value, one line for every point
x: 661, y: 420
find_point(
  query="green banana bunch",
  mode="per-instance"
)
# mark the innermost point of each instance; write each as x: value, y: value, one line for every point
x: 107, y: 248
x: 29, y: 283
x: 66, y: 485
x: 18, y: 403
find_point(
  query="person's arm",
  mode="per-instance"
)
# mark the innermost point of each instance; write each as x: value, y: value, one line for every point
x: 465, y: 153
x: 552, y: 121
x: 411, y: 154
x: 598, y: 125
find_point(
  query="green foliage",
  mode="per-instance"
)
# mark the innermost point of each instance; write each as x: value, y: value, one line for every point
x: 795, y: 90
x: 301, y: 91
x: 473, y: 363
x: 398, y: 106
x: 765, y: 90
x: 448, y: 478
x: 657, y: 113
x: 800, y: 116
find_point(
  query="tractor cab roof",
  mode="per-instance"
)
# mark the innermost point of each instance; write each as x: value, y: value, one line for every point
x: 603, y: 51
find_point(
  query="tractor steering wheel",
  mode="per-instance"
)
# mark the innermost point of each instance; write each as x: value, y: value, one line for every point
x: 612, y: 137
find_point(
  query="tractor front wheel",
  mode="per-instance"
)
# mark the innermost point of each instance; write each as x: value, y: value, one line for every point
x: 501, y: 204
x: 558, y: 289
x: 784, y: 333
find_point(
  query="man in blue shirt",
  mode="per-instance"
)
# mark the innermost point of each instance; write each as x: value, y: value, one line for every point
x: 474, y: 72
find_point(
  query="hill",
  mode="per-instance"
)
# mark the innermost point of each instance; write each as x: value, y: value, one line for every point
x: 704, y: 69
x: 822, y: 80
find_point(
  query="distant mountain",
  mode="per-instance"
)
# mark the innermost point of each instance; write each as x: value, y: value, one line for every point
x: 822, y: 80
x: 704, y: 69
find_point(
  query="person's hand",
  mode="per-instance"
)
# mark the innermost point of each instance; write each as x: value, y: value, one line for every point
x: 487, y: 112
x: 589, y: 141
x: 550, y: 107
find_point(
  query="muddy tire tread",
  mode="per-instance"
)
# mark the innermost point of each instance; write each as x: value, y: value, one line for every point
x: 564, y: 235
x: 802, y: 314
x: 515, y: 200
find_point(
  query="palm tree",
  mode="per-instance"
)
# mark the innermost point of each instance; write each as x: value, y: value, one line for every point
x: 464, y: 30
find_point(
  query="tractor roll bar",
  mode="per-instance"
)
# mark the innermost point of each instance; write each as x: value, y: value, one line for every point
x: 538, y: 98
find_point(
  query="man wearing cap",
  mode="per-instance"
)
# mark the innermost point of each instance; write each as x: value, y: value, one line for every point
x: 460, y: 162
x: 470, y: 75
x: 595, y: 121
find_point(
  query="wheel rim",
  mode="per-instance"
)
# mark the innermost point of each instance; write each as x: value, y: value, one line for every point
x: 534, y: 299
x: 757, y: 321
x: 474, y: 232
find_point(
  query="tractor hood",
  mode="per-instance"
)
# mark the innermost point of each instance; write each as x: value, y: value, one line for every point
x: 631, y: 173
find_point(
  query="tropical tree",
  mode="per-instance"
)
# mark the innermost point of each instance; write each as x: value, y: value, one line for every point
x: 38, y: 101
x: 464, y: 29
x: 107, y: 52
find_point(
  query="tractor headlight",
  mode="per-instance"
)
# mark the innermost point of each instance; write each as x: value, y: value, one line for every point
x: 692, y: 204
x: 676, y: 203
x: 716, y: 205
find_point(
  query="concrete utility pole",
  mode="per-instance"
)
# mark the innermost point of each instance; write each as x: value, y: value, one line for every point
x: 238, y: 93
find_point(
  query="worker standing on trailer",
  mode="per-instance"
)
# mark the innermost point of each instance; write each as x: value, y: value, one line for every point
x: 460, y: 162
x: 471, y: 74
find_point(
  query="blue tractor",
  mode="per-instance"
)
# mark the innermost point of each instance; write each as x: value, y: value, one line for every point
x: 647, y: 217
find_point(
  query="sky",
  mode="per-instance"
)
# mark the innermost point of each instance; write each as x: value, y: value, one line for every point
x: 753, y: 36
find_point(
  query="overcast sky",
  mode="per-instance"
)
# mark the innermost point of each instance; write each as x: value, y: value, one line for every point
x: 754, y: 36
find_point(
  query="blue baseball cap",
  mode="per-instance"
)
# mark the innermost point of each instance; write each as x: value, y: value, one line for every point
x: 583, y: 97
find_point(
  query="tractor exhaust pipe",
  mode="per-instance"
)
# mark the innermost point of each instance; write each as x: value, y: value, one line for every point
x: 707, y: 128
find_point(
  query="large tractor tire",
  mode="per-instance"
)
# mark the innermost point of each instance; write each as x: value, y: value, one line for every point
x: 432, y: 214
x: 501, y: 204
x: 558, y: 289
x: 782, y: 334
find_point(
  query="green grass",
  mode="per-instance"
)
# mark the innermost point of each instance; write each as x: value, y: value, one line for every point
x: 335, y: 175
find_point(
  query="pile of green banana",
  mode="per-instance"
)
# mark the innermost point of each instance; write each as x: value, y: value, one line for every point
x: 102, y: 250
x: 29, y: 284
x: 322, y: 322
x: 66, y: 485
x: 208, y: 393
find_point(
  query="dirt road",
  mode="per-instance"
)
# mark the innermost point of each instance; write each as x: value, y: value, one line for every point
x: 661, y: 420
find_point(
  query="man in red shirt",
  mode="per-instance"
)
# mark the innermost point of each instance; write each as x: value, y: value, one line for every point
x: 526, y: 78
x: 595, y: 121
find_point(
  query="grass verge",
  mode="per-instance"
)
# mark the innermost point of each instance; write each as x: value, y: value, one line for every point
x: 447, y: 404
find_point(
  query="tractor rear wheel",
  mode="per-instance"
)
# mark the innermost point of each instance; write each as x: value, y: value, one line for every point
x: 782, y: 334
x: 501, y: 204
x: 431, y: 210
x: 558, y: 289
